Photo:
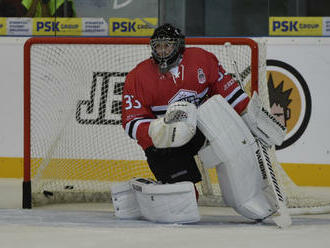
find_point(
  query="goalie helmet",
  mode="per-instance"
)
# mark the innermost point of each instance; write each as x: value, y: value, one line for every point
x: 167, y: 44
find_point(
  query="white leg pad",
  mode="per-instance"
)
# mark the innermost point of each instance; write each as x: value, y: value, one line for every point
x: 242, y: 190
x: 167, y: 203
x: 209, y: 157
x: 238, y: 171
x: 124, y: 201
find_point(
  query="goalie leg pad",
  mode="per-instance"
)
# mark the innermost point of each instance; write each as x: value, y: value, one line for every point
x: 234, y: 153
x: 124, y: 201
x: 242, y: 190
x: 166, y: 203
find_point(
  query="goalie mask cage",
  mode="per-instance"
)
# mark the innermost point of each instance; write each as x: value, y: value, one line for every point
x: 74, y: 144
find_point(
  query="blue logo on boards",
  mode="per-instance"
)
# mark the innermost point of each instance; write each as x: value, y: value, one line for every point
x: 285, y: 26
x: 48, y: 26
x: 124, y: 26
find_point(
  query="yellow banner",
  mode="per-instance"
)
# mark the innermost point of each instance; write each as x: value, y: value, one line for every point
x: 300, y: 174
x: 295, y: 26
x: 58, y: 26
x: 132, y: 27
x: 70, y: 26
x: 3, y: 24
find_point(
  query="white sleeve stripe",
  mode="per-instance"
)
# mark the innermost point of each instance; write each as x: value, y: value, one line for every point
x: 128, y: 124
x: 136, y: 125
x: 239, y: 99
x: 159, y: 108
x: 132, y: 126
x: 232, y: 93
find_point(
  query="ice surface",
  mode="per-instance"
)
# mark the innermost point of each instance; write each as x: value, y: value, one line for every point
x: 74, y: 226
x: 94, y: 226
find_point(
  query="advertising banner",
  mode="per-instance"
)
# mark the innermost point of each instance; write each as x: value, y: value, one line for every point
x: 19, y: 26
x: 50, y: 26
x: 58, y: 26
x: 132, y: 27
x: 3, y: 26
x: 326, y: 26
x: 94, y: 27
x: 296, y: 26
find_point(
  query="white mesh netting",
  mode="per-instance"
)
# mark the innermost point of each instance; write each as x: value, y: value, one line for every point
x: 78, y: 147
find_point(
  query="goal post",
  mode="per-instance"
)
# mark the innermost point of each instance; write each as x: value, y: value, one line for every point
x: 74, y: 145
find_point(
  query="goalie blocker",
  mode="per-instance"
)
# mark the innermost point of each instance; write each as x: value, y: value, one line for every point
x: 234, y: 151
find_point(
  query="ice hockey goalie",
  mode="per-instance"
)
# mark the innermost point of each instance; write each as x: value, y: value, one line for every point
x: 236, y: 146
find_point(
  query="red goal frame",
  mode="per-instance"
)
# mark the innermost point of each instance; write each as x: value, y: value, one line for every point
x: 27, y: 199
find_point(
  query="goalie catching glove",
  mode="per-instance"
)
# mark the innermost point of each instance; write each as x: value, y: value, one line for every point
x: 263, y: 124
x: 176, y: 128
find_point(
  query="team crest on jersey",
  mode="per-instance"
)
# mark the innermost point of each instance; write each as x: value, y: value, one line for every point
x: 184, y: 95
x: 201, y: 76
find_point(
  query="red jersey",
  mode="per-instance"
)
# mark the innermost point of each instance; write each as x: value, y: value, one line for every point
x: 147, y: 93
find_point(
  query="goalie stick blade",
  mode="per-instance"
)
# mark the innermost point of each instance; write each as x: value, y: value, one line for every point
x: 282, y: 218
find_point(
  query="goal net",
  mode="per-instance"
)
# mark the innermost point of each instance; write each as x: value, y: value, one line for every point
x: 74, y: 145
